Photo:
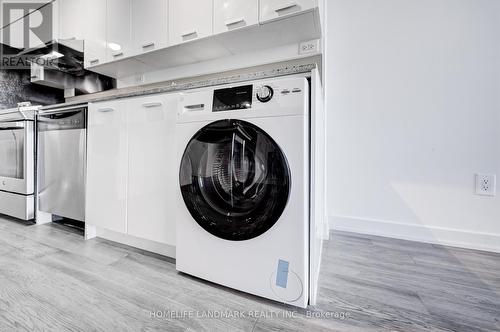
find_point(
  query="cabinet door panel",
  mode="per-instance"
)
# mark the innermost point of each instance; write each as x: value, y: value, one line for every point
x: 118, y: 27
x: 234, y: 14
x: 149, y: 25
x: 107, y: 166
x: 85, y: 20
x: 71, y: 20
x: 94, y: 32
x: 189, y: 19
x: 152, y: 168
x: 271, y: 9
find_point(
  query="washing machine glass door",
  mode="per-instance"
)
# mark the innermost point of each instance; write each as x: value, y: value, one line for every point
x: 234, y: 179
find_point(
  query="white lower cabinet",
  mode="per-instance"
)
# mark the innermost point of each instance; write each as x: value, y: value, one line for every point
x: 132, y: 167
x: 107, y: 170
x: 152, y: 170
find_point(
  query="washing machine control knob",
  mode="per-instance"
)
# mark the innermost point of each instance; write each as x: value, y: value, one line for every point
x: 265, y: 93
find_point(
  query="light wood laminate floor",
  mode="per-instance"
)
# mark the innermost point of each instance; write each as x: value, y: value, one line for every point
x: 53, y: 280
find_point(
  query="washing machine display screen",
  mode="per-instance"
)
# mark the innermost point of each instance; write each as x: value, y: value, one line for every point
x: 235, y: 180
x: 233, y: 98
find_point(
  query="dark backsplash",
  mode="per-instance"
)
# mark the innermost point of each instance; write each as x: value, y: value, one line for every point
x: 15, y: 87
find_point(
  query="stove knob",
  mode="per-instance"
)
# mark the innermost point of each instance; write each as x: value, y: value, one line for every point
x: 265, y: 94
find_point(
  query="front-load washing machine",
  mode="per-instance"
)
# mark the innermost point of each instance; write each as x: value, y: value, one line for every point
x: 243, y: 198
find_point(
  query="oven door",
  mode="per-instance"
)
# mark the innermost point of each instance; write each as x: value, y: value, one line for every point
x: 17, y: 157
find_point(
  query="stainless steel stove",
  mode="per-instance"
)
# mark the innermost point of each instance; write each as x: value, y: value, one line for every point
x: 17, y: 162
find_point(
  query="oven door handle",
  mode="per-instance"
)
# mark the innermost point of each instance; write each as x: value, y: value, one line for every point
x: 11, y: 125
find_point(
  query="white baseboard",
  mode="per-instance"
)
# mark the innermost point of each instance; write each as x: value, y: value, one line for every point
x: 132, y: 241
x: 421, y: 233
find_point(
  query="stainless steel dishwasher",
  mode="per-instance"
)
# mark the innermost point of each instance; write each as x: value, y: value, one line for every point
x: 62, y: 151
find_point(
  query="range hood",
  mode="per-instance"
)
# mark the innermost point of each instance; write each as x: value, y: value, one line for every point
x: 65, y: 55
x: 59, y: 64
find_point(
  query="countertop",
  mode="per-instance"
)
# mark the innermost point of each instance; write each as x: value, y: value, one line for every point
x: 230, y: 77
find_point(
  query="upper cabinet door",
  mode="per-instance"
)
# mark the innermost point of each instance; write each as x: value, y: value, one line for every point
x: 234, y: 14
x: 95, y: 33
x: 149, y: 25
x: 71, y: 19
x: 118, y: 27
x: 189, y: 19
x: 272, y: 9
x: 85, y: 20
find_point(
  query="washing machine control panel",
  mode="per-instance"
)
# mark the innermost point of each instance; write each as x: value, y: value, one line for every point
x: 268, y: 97
x: 245, y: 96
x: 234, y: 98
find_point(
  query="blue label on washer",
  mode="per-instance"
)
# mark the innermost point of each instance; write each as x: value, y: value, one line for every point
x: 282, y: 274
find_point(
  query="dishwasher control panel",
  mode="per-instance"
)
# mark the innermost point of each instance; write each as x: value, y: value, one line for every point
x: 65, y: 120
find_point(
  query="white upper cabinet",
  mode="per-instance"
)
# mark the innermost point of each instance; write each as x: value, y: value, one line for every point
x: 71, y: 21
x: 85, y: 20
x: 149, y: 25
x: 95, y: 32
x: 189, y: 19
x: 234, y: 14
x: 118, y: 28
x: 272, y: 9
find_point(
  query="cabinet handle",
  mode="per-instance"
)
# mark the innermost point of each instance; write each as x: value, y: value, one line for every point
x: 154, y: 104
x: 195, y: 107
x: 33, y: 77
x: 106, y: 109
x: 118, y: 54
x: 292, y: 5
x: 235, y: 21
x: 192, y: 33
x: 148, y: 45
x: 94, y: 62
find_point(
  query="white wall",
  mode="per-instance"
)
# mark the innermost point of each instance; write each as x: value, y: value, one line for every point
x: 413, y: 98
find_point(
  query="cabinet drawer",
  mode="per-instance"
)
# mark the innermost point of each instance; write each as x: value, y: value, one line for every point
x: 189, y: 19
x: 234, y: 14
x: 272, y: 9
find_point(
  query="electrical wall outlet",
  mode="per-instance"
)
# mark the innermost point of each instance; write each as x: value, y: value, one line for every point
x: 308, y: 47
x: 140, y: 79
x: 486, y: 184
